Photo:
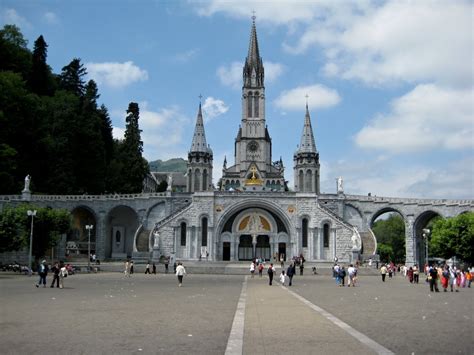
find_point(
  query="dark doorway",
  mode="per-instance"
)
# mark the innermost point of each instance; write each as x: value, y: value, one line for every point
x: 263, y: 247
x: 245, y: 247
x: 282, y: 250
x: 226, y: 251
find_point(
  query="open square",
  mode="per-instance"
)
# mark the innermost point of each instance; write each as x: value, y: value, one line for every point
x: 150, y: 314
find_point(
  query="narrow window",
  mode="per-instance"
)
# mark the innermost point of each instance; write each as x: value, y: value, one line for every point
x: 304, y: 228
x: 183, y: 234
x: 255, y: 104
x: 204, y: 232
x: 326, y: 235
x: 249, y: 104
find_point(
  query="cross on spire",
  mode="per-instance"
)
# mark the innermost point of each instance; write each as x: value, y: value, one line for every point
x: 253, y: 16
x: 306, y: 99
x: 200, y: 98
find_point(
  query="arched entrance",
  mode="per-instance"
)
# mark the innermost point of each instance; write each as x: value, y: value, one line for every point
x: 77, y: 242
x: 121, y: 228
x: 245, y: 247
x: 262, y: 250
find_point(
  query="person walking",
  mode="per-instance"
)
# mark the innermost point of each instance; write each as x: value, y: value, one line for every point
x: 342, y: 276
x: 352, y: 271
x: 270, y: 272
x: 282, y: 277
x: 147, y: 269
x: 416, y: 274
x: 62, y: 275
x: 252, y: 269
x: 433, y: 279
x: 260, y: 269
x: 43, y: 272
x: 154, y: 269
x: 180, y: 272
x: 290, y: 272
x: 55, y: 270
x: 131, y: 267
x: 383, y: 272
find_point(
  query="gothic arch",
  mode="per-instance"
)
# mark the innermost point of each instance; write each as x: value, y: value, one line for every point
x: 383, y: 210
x: 122, y: 219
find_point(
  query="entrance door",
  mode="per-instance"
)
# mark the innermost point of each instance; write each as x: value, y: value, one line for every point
x: 226, y: 251
x: 263, y: 247
x: 245, y: 247
x: 282, y: 250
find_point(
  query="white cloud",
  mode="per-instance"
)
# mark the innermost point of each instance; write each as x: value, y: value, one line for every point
x: 50, y: 18
x: 319, y: 96
x: 12, y: 17
x: 186, y: 56
x: 273, y: 71
x: 213, y: 107
x: 231, y: 75
x: 116, y: 75
x: 428, y: 117
x: 118, y: 132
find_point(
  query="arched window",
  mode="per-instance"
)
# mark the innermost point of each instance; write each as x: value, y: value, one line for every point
x: 204, y: 180
x: 190, y: 180
x: 326, y: 235
x: 204, y: 232
x: 309, y: 181
x: 197, y: 180
x: 304, y: 232
x: 249, y: 104
x: 183, y: 233
x: 255, y: 104
x: 301, y: 181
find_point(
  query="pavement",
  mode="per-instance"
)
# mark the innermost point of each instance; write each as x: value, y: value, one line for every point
x: 107, y: 313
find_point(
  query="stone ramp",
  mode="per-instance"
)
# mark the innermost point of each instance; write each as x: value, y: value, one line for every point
x: 276, y: 322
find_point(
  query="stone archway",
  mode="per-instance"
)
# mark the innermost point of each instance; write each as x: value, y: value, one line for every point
x: 419, y: 242
x: 122, y: 224
x: 77, y: 240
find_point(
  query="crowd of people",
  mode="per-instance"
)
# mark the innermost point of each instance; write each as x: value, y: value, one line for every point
x: 450, y: 277
x: 59, y: 271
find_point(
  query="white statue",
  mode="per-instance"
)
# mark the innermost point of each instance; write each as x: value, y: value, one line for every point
x: 27, y: 183
x: 340, y: 187
x: 156, y: 238
x: 254, y: 224
x: 355, y: 242
x: 170, y: 182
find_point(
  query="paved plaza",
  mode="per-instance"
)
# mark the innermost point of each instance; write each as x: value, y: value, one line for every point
x: 231, y: 314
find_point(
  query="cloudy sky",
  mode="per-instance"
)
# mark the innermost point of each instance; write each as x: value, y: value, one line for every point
x: 389, y: 83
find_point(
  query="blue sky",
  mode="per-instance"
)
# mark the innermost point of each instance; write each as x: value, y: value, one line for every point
x: 390, y: 83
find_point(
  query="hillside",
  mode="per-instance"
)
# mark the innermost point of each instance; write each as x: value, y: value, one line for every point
x: 171, y: 165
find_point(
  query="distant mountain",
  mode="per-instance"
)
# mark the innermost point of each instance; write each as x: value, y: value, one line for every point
x: 171, y: 165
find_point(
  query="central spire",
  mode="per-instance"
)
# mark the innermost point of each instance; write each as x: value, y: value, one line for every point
x: 307, y: 144
x: 253, y: 69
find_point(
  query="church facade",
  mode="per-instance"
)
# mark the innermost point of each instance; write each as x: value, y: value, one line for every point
x: 251, y: 214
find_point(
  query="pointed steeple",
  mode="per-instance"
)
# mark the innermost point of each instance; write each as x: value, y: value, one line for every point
x: 307, y: 144
x: 199, y: 138
x: 253, y: 68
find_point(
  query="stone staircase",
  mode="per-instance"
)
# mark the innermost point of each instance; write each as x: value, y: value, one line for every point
x: 142, y: 240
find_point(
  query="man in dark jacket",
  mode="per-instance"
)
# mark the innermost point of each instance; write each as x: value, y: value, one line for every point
x: 290, y: 272
x: 42, y: 272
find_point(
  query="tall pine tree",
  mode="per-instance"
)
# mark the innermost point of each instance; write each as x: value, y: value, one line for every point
x: 71, y: 77
x: 135, y: 166
x: 41, y: 80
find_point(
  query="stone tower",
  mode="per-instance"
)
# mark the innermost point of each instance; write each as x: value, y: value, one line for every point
x: 199, y: 169
x: 306, y: 160
x: 253, y: 169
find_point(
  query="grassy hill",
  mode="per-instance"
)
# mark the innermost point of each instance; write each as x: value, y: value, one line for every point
x: 171, y: 165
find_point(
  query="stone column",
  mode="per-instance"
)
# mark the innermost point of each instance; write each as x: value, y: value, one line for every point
x: 321, y: 243
x: 334, y: 249
x: 101, y: 236
x: 410, y: 247
x: 254, y: 246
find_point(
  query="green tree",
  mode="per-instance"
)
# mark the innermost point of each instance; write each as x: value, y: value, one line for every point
x: 391, y: 232
x: 48, y: 225
x: 453, y: 237
x: 135, y: 166
x: 41, y: 80
x: 14, y: 55
x: 385, y: 252
x: 72, y: 77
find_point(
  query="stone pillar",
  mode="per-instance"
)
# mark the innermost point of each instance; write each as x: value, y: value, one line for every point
x: 254, y: 245
x: 334, y: 243
x: 410, y: 247
x: 101, y: 235
x: 321, y: 243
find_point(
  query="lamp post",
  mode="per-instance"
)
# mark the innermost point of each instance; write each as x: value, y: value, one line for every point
x: 31, y: 213
x: 426, y: 233
x: 89, y: 227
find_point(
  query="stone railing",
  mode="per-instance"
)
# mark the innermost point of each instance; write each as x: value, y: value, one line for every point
x: 401, y: 200
x: 89, y: 197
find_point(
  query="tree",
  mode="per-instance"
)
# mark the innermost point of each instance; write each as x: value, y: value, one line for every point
x: 135, y: 166
x: 391, y: 232
x: 41, y: 79
x: 453, y: 237
x: 48, y: 225
x: 72, y: 77
x: 385, y: 252
x: 15, y: 56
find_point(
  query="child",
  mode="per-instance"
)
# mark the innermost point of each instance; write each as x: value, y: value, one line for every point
x: 282, y: 277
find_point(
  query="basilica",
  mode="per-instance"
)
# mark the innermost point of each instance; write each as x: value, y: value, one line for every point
x: 251, y: 213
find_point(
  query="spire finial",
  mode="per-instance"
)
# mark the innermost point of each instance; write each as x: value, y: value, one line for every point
x: 253, y: 17
x: 306, y: 99
x: 200, y: 98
